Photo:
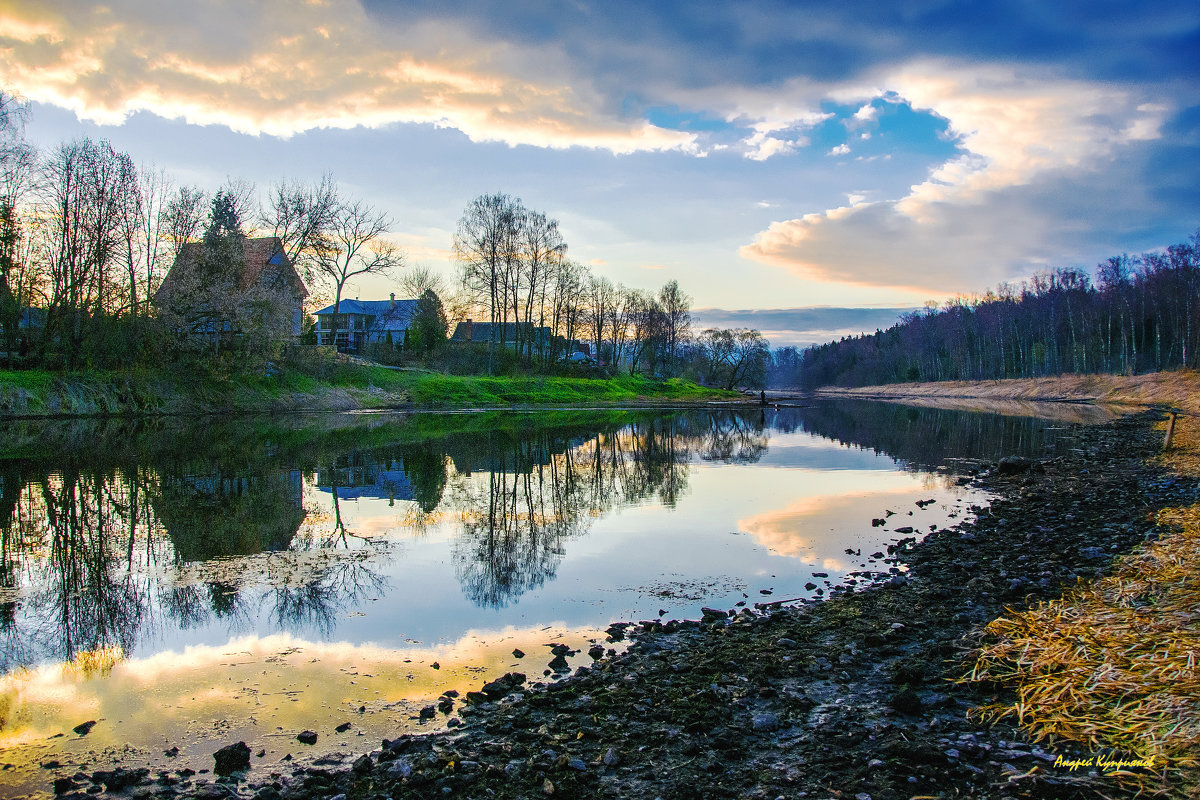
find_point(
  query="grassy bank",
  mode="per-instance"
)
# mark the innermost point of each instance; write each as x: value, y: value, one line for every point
x: 1179, y: 388
x: 346, y: 387
x: 1112, y: 664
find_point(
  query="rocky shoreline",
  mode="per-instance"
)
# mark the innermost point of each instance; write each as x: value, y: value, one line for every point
x: 850, y: 697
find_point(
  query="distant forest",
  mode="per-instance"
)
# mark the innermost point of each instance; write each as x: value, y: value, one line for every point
x: 1142, y: 314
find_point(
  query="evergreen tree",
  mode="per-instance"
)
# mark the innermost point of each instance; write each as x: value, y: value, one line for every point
x: 428, y: 327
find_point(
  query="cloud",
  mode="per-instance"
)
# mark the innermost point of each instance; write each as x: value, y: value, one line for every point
x: 979, y: 217
x: 799, y: 327
x: 840, y: 150
x: 281, y: 68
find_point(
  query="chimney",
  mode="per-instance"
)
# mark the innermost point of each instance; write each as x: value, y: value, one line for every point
x: 393, y: 299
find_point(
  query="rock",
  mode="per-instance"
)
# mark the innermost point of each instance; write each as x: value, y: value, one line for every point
x: 400, y: 767
x: 429, y: 712
x: 905, y: 529
x: 518, y: 653
x: 84, y: 728
x: 307, y: 737
x: 118, y: 779
x: 820, y: 574
x: 786, y: 643
x: 808, y: 587
x: 765, y: 721
x: 712, y: 613
x: 596, y: 652
x: 611, y: 757
x: 577, y: 764
x: 1014, y: 465
x: 64, y: 785
x: 906, y: 701
x: 874, y: 763
x: 362, y: 764
x: 232, y: 758
x: 345, y: 726
x: 435, y: 665
x: 547, y: 787
x: 875, y: 523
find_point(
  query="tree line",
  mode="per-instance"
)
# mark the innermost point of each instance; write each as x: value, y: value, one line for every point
x: 1141, y: 314
x: 87, y: 237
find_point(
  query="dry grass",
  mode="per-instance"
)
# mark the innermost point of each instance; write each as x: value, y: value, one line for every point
x: 1113, y: 664
x: 1178, y: 388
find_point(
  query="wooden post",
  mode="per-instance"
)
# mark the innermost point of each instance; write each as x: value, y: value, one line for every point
x: 1170, y: 431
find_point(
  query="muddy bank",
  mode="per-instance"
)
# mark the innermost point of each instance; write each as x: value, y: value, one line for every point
x: 849, y: 697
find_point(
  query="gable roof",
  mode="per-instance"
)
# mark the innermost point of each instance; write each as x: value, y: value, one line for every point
x: 389, y: 314
x: 263, y: 260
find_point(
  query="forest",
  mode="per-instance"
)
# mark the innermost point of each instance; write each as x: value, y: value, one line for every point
x: 1141, y: 314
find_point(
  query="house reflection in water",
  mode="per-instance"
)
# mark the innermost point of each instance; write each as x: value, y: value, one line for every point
x: 220, y: 514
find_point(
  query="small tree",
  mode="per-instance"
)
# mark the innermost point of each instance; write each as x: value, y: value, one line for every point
x: 733, y: 357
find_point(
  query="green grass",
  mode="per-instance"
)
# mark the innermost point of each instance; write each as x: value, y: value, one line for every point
x: 343, y: 387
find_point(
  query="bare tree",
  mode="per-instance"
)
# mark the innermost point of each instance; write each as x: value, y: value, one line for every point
x: 301, y: 215
x: 182, y: 218
x: 18, y: 164
x: 677, y: 318
x: 542, y: 250
x: 483, y: 245
x: 355, y: 246
x: 86, y: 185
x: 419, y: 279
x: 601, y: 302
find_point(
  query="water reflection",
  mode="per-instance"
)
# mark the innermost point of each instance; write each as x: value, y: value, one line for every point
x: 125, y: 546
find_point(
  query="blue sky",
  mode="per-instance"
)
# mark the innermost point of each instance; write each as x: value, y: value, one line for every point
x: 768, y: 156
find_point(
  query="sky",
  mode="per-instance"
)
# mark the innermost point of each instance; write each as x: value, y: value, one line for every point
x: 829, y: 163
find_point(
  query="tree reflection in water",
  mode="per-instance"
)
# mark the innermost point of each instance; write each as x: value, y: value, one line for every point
x: 174, y: 530
x: 547, y: 486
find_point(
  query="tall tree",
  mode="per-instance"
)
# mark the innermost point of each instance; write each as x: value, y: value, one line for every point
x: 302, y: 216
x: 484, y: 246
x: 355, y: 246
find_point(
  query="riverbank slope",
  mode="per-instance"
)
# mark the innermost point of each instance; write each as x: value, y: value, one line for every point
x: 1176, y: 388
x: 344, y: 387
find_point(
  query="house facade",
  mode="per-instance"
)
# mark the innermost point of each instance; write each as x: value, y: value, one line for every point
x: 267, y: 277
x: 363, y: 322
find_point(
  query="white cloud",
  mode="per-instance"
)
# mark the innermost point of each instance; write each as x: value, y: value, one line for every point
x: 280, y: 68
x: 840, y: 150
x: 866, y: 113
x: 972, y: 223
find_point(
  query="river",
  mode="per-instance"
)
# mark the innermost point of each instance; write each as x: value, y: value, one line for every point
x: 188, y: 583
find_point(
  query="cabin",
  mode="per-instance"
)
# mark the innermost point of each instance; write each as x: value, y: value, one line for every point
x: 363, y: 322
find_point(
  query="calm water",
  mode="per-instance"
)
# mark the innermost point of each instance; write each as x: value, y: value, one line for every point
x: 187, y: 585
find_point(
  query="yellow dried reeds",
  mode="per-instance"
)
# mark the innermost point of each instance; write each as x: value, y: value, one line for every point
x: 1113, y: 664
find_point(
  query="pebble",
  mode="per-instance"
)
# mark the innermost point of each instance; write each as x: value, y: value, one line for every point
x: 786, y: 643
x: 307, y: 737
x: 611, y: 757
x: 765, y: 721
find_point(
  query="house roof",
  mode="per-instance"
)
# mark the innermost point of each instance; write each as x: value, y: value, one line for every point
x: 263, y: 259
x: 482, y: 331
x: 389, y: 315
